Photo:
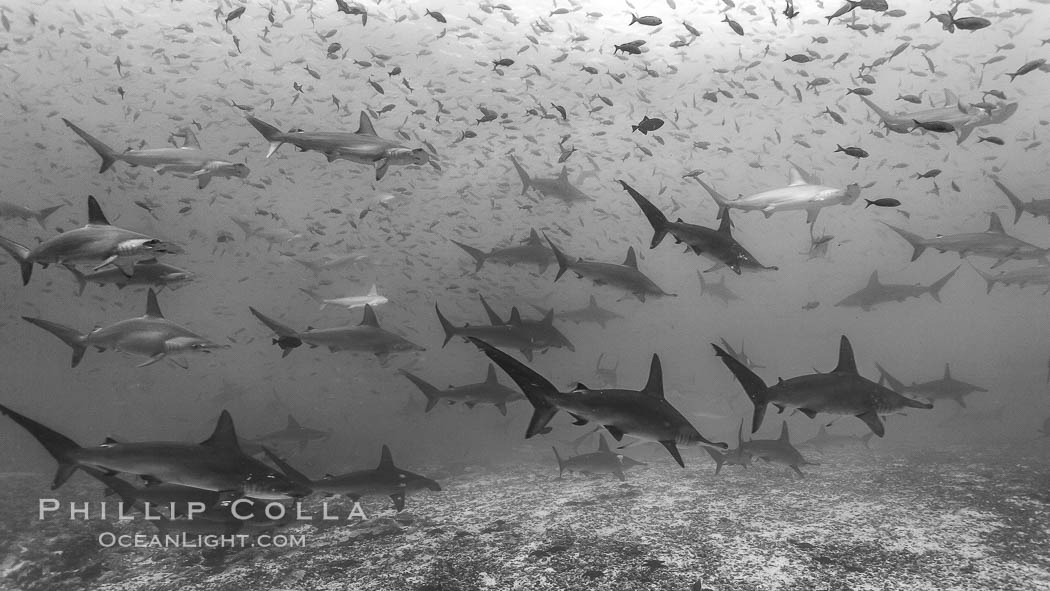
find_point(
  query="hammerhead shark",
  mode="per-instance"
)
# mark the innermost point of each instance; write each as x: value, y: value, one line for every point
x: 558, y: 187
x: 363, y: 146
x: 644, y: 413
x: 151, y: 335
x: 963, y: 119
x: 187, y: 160
x: 489, y: 391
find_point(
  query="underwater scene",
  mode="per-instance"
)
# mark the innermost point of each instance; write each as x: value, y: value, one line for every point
x: 589, y: 294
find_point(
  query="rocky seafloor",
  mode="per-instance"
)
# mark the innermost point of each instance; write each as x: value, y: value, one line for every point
x: 960, y: 517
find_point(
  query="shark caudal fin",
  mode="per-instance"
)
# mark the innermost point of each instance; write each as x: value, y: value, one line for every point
x: 563, y: 261
x: 718, y: 457
x: 656, y: 218
x: 891, y: 382
x: 294, y: 475
x: 81, y: 279
x: 478, y: 256
x: 525, y: 181
x: 426, y: 388
x: 988, y: 279
x: 44, y: 213
x: 720, y: 200
x: 916, y: 241
x: 936, y: 286
x: 69, y: 336
x: 753, y: 385
x: 535, y: 387
x: 1014, y: 200
x: 21, y: 255
x: 450, y: 331
x: 561, y: 464
x: 105, y: 152
x: 272, y: 134
x: 59, y: 446
x: 315, y: 297
x: 287, y: 338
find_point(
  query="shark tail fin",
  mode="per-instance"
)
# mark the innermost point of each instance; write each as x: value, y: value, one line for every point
x: 1014, y: 200
x: 535, y: 387
x: 893, y: 383
x: 563, y: 262
x: 753, y: 385
x: 478, y: 256
x: 656, y: 218
x: 717, y: 457
x: 59, y: 446
x: 105, y: 152
x: 988, y: 279
x: 81, y: 280
x: 272, y: 134
x: 915, y: 240
x: 315, y: 297
x: 450, y: 331
x: 561, y: 463
x: 935, y: 287
x: 525, y: 181
x: 426, y: 388
x: 43, y: 214
x: 67, y: 335
x: 720, y: 200
x: 21, y: 255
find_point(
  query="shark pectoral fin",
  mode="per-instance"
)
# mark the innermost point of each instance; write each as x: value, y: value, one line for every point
x: 399, y: 501
x: 811, y: 215
x: 177, y: 363
x: 106, y: 263
x: 582, y: 421
x: 809, y: 413
x: 797, y: 471
x: 381, y: 167
x: 160, y: 169
x: 527, y: 353
x: 673, y: 448
x: 616, y: 433
x: 502, y: 406
x: 203, y: 178
x: 872, y: 420
x: 152, y: 360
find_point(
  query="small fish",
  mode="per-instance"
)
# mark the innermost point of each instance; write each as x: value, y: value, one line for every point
x: 649, y: 21
x: 235, y: 13
x: 734, y: 25
x: 834, y: 116
x: 798, y: 58
x: 502, y: 62
x: 376, y: 86
x: 990, y: 139
x: 929, y: 174
x: 313, y: 73
x: 647, y: 124
x: 852, y: 151
x: 936, y: 126
x: 1028, y: 67
x: 883, y: 202
x: 860, y: 91
x: 436, y: 16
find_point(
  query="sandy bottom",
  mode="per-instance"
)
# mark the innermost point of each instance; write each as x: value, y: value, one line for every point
x: 955, y: 518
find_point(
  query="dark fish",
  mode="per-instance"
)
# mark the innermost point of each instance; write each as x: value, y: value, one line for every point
x: 502, y: 62
x: 627, y: 48
x: 860, y: 91
x: 798, y: 58
x: 990, y: 139
x: 970, y: 23
x: 1028, y: 67
x: 937, y: 126
x: 646, y: 125
x: 436, y: 16
x: 649, y: 21
x: 734, y: 25
x: 929, y: 174
x: 852, y: 151
x: 235, y: 13
x: 883, y: 202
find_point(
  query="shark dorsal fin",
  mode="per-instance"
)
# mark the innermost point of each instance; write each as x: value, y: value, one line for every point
x: 725, y: 227
x: 874, y: 280
x: 846, y: 362
x: 548, y: 319
x: 795, y: 176
x: 365, y: 128
x: 534, y: 237
x: 189, y: 139
x: 947, y: 372
x: 386, y: 460
x: 581, y: 387
x: 593, y: 303
x: 494, y: 318
x: 374, y: 291
x: 632, y: 259
x: 95, y: 215
x: 369, y: 318
x: 655, y: 386
x: 293, y: 425
x: 515, y: 317
x: 603, y: 445
x: 784, y: 437
x: 224, y: 437
x: 152, y: 307
x: 491, y: 377
x: 110, y: 440
x: 995, y: 224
